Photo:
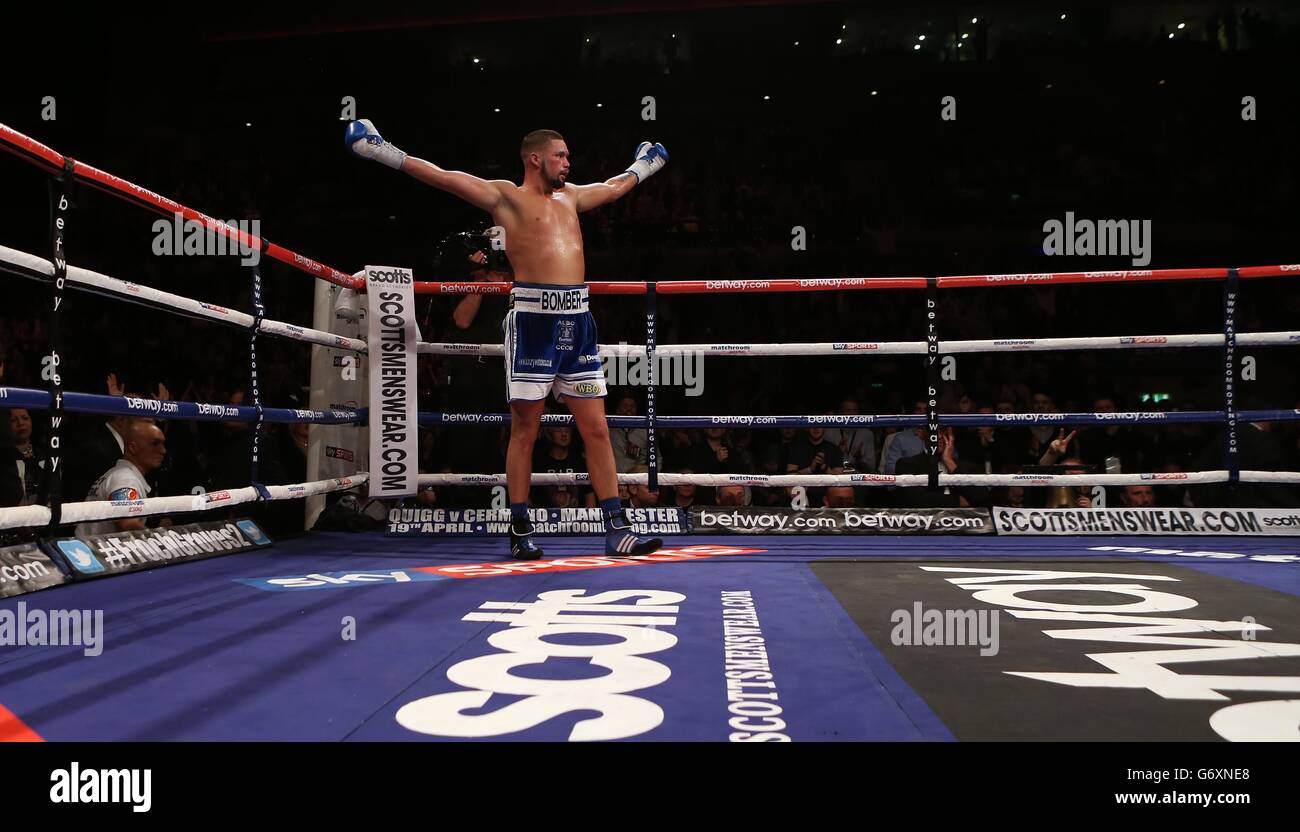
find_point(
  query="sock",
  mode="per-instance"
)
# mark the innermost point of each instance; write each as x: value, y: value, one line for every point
x: 611, y: 509
x: 519, y: 517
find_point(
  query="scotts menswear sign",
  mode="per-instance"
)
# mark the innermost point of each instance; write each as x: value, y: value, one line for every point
x: 394, y: 452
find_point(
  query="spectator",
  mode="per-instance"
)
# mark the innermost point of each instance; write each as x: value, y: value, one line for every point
x: 1068, y: 496
x: 717, y: 454
x: 640, y: 496
x: 29, y: 463
x: 630, y: 444
x: 143, y: 449
x: 857, y: 444
x: 684, y: 495
x: 815, y: 456
x: 945, y: 496
x: 980, y: 448
x: 103, y: 446
x: 838, y: 496
x: 1137, y: 496
x: 473, y: 383
x: 1040, y: 435
x: 559, y: 456
x: 903, y: 443
x: 1100, y: 442
x: 1259, y: 449
x: 733, y: 495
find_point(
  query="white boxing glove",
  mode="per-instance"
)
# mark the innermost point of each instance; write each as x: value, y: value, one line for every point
x: 649, y: 159
x: 364, y: 140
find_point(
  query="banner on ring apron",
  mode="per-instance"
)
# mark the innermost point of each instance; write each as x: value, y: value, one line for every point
x: 1234, y: 522
x: 98, y: 555
x: 394, y: 425
x: 475, y: 522
x: 25, y: 568
x: 755, y: 520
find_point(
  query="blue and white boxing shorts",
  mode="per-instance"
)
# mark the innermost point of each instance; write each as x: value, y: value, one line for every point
x: 551, y: 344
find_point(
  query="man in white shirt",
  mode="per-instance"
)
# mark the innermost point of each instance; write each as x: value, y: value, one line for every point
x: 143, y: 450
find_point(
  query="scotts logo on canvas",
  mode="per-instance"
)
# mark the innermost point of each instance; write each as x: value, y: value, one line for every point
x: 563, y: 657
x: 1150, y: 641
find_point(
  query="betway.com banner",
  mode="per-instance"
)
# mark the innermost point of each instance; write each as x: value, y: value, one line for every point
x: 442, y: 522
x: 25, y: 568
x: 1161, y: 521
x: 752, y: 520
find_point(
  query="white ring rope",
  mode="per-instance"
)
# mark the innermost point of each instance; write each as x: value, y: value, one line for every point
x: 869, y: 480
x: 1109, y: 342
x: 93, y: 510
x: 29, y: 265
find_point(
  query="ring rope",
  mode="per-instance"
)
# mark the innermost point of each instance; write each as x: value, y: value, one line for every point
x: 93, y: 510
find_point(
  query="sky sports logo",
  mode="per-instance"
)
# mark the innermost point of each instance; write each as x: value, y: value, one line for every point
x: 420, y: 574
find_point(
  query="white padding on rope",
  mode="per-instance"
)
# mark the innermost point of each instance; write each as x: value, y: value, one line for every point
x: 1190, y: 478
x: 312, y: 489
x: 85, y: 278
x: 425, y: 348
x: 1290, y: 477
x: 1118, y: 342
x: 312, y: 336
x: 26, y: 516
x: 1126, y: 342
x: 868, y: 480
x: 774, y: 480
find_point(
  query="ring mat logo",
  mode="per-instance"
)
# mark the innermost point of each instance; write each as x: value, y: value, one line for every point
x: 544, y: 629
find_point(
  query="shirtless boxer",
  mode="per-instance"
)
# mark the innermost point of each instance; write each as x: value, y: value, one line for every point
x: 550, y: 336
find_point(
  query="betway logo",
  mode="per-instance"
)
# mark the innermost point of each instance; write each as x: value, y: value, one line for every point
x: 217, y: 410
x: 833, y: 282
x: 1131, y: 416
x: 841, y: 420
x: 1030, y: 417
x: 880, y: 520
x: 546, y: 628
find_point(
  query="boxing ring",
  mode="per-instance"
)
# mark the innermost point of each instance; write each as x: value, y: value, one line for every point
x: 715, y: 638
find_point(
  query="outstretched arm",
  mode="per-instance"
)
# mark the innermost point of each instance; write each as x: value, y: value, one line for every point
x: 486, y: 194
x: 603, y: 193
x: 364, y: 140
x: 648, y: 159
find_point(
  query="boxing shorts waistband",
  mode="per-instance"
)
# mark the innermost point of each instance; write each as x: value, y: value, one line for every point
x: 549, y: 300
